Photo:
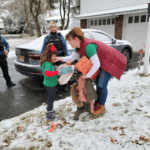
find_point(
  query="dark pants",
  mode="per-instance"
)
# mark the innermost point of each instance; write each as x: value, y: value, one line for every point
x: 51, y: 97
x: 4, y: 67
x: 101, y: 82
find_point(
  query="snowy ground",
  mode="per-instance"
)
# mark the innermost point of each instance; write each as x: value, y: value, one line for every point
x: 124, y: 126
x: 16, y: 42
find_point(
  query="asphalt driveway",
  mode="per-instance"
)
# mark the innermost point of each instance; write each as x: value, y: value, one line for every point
x: 28, y: 93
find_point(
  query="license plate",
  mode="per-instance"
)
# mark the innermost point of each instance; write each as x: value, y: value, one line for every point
x: 21, y: 58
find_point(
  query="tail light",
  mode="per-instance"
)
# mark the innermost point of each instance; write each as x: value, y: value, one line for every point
x: 35, y: 56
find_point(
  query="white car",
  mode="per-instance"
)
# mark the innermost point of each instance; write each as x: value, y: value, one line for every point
x: 28, y: 55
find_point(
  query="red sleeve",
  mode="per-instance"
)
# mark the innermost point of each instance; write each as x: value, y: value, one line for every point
x: 50, y: 73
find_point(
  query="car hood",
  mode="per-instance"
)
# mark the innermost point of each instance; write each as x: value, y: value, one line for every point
x: 123, y: 42
x: 37, y: 44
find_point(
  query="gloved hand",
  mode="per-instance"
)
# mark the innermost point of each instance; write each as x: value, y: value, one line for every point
x: 65, y: 70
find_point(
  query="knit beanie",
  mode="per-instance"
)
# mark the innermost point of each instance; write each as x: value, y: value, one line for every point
x: 53, y: 25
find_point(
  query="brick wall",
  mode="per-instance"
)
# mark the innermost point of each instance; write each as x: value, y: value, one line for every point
x: 84, y: 24
x: 119, y: 27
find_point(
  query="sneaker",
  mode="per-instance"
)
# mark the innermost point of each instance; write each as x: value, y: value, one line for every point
x: 98, y: 109
x: 50, y: 116
x: 10, y: 83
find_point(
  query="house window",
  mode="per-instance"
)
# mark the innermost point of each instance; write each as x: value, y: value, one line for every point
x: 95, y: 22
x: 91, y: 22
x: 100, y: 22
x: 108, y: 21
x: 136, y: 19
x: 48, y: 21
x: 143, y: 18
x: 130, y: 20
x: 104, y: 21
x: 113, y: 20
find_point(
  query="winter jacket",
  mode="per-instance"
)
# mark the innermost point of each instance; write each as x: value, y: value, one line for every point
x: 3, y: 43
x: 111, y: 60
x: 51, y: 80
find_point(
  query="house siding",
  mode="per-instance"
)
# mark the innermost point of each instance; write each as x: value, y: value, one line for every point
x: 88, y: 6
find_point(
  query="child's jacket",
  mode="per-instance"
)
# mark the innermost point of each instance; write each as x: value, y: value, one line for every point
x: 49, y: 81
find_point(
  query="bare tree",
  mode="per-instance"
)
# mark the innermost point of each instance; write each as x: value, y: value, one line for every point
x: 19, y: 9
x: 35, y: 10
x: 64, y: 8
x: 27, y: 16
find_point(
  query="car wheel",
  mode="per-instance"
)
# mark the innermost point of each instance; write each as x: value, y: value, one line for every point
x: 127, y: 54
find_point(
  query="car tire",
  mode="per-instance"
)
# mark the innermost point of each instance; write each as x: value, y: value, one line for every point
x: 126, y: 53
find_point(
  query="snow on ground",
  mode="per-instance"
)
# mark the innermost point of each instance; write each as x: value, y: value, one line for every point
x: 124, y: 126
x: 16, y: 42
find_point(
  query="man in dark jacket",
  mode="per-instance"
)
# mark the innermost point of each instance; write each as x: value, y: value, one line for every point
x: 3, y: 61
x: 59, y: 42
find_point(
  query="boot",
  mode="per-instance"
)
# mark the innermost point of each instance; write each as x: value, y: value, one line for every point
x: 50, y: 116
x: 10, y: 83
x: 78, y: 112
x: 87, y: 107
x: 99, y: 109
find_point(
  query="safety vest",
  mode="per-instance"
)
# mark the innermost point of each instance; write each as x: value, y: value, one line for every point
x: 1, y: 45
x: 56, y: 41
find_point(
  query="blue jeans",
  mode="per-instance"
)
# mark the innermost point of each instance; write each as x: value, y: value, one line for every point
x: 101, y: 82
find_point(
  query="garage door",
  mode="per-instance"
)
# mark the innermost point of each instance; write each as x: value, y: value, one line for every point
x: 135, y: 30
x: 104, y: 24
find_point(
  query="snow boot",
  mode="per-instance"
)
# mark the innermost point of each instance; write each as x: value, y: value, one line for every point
x: 50, y: 116
x: 78, y: 112
x: 98, y: 109
x: 87, y: 107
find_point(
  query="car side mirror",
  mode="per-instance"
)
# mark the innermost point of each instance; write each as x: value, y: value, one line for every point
x: 113, y: 41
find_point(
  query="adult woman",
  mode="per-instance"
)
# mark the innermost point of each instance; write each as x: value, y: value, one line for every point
x: 110, y: 61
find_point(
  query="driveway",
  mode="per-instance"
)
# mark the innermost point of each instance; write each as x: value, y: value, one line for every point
x: 28, y: 93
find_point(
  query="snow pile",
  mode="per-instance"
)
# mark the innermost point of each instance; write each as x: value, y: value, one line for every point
x: 125, y: 125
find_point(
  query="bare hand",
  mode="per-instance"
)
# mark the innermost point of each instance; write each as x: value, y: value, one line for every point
x: 68, y: 63
x: 84, y: 77
x: 56, y: 59
x: 5, y: 53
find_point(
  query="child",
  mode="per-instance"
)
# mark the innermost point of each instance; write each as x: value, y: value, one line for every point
x: 50, y: 77
x: 83, y: 94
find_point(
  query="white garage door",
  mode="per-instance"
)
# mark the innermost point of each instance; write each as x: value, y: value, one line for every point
x: 135, y: 30
x: 104, y: 24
